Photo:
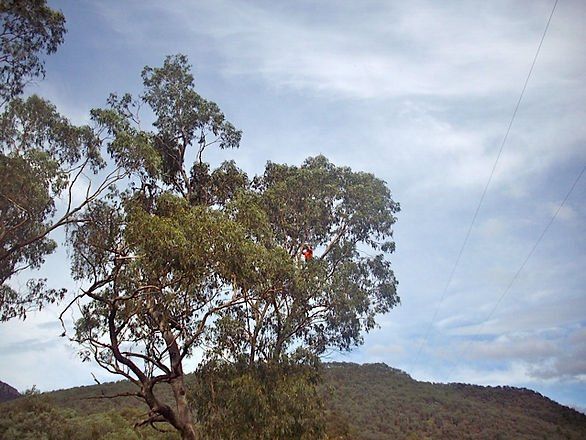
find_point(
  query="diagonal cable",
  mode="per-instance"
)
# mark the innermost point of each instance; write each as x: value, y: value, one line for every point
x: 530, y: 254
x: 481, y: 201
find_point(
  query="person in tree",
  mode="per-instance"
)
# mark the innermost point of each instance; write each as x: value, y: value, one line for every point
x: 307, y: 251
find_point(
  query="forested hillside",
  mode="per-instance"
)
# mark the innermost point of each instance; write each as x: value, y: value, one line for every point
x: 380, y: 402
x: 371, y: 401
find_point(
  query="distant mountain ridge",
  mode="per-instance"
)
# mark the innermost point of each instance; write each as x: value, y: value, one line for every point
x: 376, y: 402
x: 7, y: 392
x: 380, y: 402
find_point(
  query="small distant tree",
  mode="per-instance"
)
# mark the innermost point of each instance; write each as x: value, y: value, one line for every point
x: 191, y: 256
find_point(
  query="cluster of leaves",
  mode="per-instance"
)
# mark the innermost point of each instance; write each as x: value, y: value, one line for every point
x: 265, y: 401
x: 331, y: 300
x: 42, y: 156
x: 29, y: 28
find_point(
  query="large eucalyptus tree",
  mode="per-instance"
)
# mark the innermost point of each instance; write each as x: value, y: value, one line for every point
x: 190, y: 257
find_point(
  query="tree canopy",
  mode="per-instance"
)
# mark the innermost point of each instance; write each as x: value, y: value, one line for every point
x: 178, y: 256
x: 193, y: 257
x: 44, y: 158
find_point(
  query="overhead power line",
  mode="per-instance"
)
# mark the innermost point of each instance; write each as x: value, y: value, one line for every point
x: 481, y: 201
x: 530, y: 254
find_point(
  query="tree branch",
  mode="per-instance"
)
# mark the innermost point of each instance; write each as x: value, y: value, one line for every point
x: 339, y: 235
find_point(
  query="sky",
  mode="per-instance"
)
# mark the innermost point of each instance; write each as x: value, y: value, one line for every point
x: 419, y: 93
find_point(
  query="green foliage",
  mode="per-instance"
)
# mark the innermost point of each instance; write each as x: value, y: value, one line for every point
x: 29, y: 28
x: 36, y: 417
x: 310, y: 202
x: 185, y: 254
x: 130, y: 148
x: 331, y: 300
x: 264, y: 401
x: 183, y: 116
x: 159, y: 258
x: 41, y: 156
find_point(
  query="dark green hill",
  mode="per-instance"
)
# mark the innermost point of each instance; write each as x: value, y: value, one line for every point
x: 371, y: 401
x: 380, y: 402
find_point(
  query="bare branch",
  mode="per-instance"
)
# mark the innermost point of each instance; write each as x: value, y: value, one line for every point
x: 72, y: 183
x: 236, y: 299
x: 150, y: 420
x: 337, y: 237
x: 115, y: 346
x: 78, y: 296
x: 146, y: 358
x: 114, y: 396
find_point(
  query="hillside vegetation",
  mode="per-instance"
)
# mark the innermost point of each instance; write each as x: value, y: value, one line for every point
x: 368, y: 402
x: 380, y: 402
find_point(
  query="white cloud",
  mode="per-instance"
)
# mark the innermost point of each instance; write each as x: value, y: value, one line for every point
x: 570, y: 364
x: 514, y: 346
x: 493, y: 228
x: 566, y: 213
x: 433, y: 86
x: 520, y: 318
x: 386, y: 50
x: 513, y: 374
x: 380, y: 351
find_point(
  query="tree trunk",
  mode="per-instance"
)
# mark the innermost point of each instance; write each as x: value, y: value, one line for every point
x: 183, y: 412
x: 188, y: 433
x: 183, y: 417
